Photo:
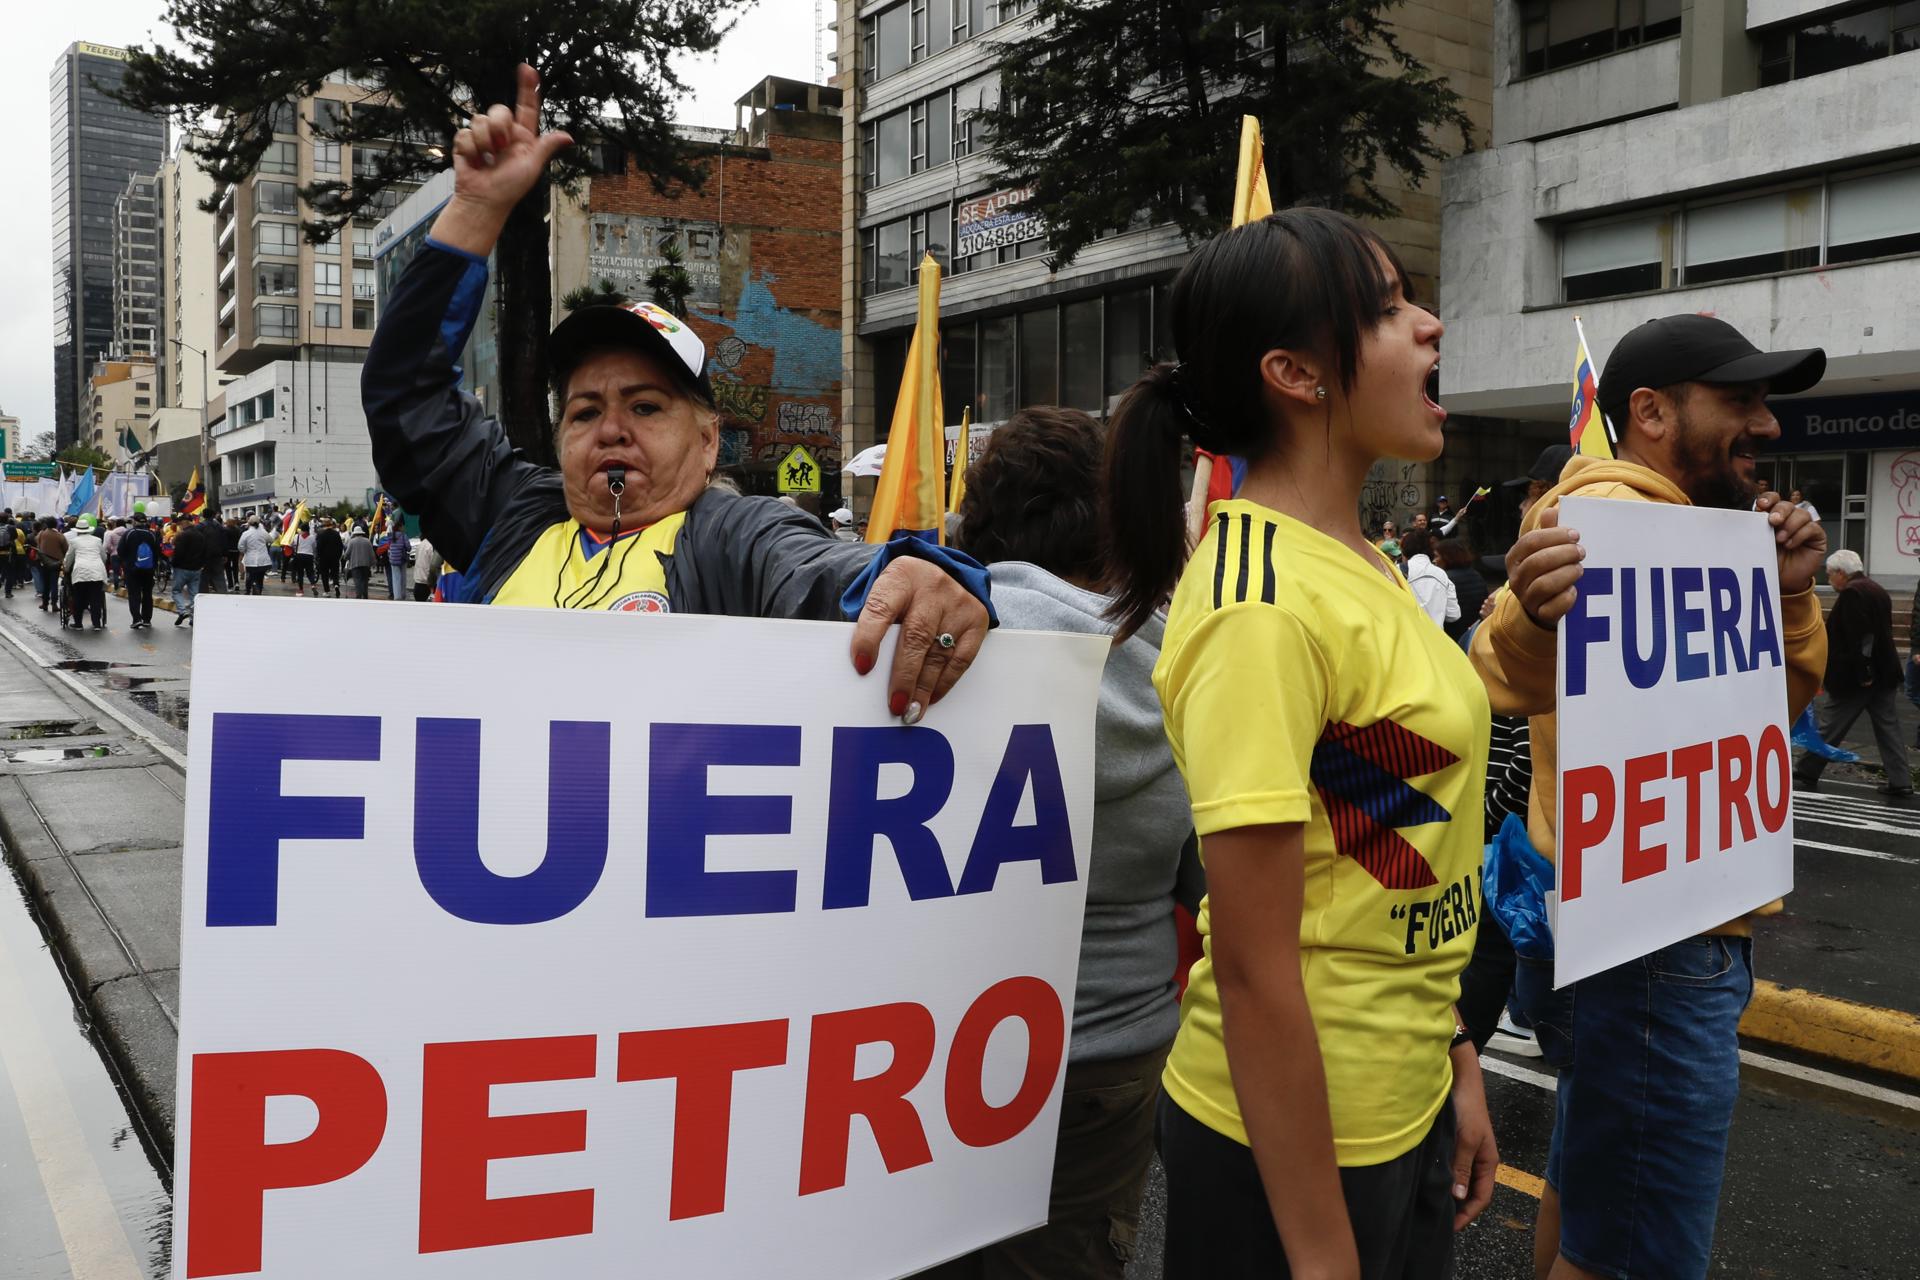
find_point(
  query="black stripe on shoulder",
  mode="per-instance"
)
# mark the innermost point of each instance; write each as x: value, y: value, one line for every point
x: 1219, y: 558
x: 1246, y: 551
x: 1266, y: 560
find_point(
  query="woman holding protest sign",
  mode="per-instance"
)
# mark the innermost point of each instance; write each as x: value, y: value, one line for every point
x: 1329, y: 734
x: 1031, y: 512
x: 628, y: 522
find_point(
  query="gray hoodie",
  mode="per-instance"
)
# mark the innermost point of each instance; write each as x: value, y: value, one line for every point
x: 1142, y: 859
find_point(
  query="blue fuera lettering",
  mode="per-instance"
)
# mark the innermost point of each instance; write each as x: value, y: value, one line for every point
x: 1723, y: 604
x: 1643, y: 670
x: 1765, y: 630
x: 248, y: 817
x: 1582, y: 628
x: 1688, y: 621
x: 446, y: 823
x: 856, y: 816
x: 681, y: 815
x: 1049, y: 840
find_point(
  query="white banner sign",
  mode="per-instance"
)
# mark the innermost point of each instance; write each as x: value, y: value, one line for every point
x: 535, y: 943
x: 1676, y: 783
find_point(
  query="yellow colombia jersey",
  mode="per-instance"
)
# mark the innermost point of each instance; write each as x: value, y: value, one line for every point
x: 1302, y: 685
x: 568, y: 568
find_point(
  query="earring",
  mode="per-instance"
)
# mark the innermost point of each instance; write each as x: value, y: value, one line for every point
x: 1319, y: 393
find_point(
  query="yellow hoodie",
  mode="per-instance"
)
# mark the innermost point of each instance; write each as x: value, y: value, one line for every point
x: 1515, y: 658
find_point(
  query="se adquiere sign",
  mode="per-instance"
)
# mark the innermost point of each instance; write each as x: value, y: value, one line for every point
x: 547, y: 946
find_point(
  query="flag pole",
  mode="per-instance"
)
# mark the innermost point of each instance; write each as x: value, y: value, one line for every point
x: 1613, y: 437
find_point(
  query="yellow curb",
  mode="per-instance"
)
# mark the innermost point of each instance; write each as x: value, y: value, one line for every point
x: 1865, y: 1036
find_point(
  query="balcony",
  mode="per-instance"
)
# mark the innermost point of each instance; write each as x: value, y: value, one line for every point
x: 227, y: 227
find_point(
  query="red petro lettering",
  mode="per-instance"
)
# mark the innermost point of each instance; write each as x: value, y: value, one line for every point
x: 1581, y: 830
x: 1034, y: 1003
x: 835, y: 1096
x: 1638, y: 860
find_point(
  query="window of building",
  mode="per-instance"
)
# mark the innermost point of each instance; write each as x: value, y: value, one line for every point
x: 1874, y: 216
x: 276, y: 280
x: 1080, y: 349
x: 329, y: 114
x: 1794, y: 53
x: 281, y: 115
x: 330, y: 247
x: 1622, y: 256
x: 893, y: 41
x: 1040, y: 357
x: 927, y: 233
x: 1559, y: 33
x: 971, y: 98
x: 887, y: 265
x: 276, y: 237
x: 363, y: 243
x: 363, y: 315
x: 326, y: 156
x: 274, y: 197
x: 143, y: 402
x: 959, y: 369
x: 326, y: 279
x: 1755, y: 236
x: 276, y: 321
x: 326, y: 315
x: 280, y: 157
x: 995, y: 398
x: 893, y: 155
x: 363, y: 282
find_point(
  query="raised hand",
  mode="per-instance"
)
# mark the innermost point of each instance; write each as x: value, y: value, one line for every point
x: 1800, y: 543
x: 497, y: 159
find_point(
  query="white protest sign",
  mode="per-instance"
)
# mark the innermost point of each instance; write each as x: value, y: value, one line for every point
x: 535, y: 943
x: 1676, y: 785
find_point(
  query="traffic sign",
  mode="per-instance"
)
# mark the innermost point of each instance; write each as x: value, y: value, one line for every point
x: 30, y: 470
x: 799, y: 473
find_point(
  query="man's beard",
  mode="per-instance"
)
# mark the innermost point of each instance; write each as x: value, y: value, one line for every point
x: 1708, y: 466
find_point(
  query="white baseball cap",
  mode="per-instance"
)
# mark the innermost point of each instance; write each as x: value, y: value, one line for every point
x: 653, y: 329
x: 844, y: 515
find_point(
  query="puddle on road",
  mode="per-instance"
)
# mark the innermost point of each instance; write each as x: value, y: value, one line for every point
x: 54, y: 755
x: 50, y: 729
x: 164, y: 703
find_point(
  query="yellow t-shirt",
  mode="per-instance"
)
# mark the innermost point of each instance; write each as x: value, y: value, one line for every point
x: 569, y: 568
x: 1300, y: 684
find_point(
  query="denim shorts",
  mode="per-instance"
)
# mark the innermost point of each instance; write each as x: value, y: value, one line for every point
x: 1548, y: 1013
x: 1640, y: 1125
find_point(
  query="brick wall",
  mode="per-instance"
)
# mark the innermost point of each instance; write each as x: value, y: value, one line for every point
x: 768, y: 294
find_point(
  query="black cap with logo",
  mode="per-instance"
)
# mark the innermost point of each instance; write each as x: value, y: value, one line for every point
x: 1695, y: 348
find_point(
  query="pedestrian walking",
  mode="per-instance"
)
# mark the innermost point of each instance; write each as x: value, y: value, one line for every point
x: 22, y: 542
x: 1431, y: 585
x: 139, y: 552
x: 1456, y: 559
x: 303, y: 560
x: 1322, y: 1111
x: 327, y: 549
x: 398, y: 551
x: 1640, y: 1130
x: 86, y: 568
x: 7, y: 550
x: 359, y: 561
x: 110, y: 547
x: 190, y: 556
x: 1864, y: 674
x: 1031, y: 514
x: 425, y: 571
x: 50, y: 552
x: 256, y: 556
x: 231, y: 535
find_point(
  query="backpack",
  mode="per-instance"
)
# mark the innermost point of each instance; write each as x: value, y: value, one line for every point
x: 143, y: 553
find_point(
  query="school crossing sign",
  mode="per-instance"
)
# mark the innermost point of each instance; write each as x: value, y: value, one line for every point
x: 618, y: 970
x: 799, y: 472
x: 1676, y: 785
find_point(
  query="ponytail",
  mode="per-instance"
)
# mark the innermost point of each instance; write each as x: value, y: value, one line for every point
x: 1144, y: 519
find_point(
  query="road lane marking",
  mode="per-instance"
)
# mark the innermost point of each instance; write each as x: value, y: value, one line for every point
x: 1813, y: 1075
x: 67, y: 678
x: 1852, y: 823
x: 1520, y: 1180
x: 1879, y: 854
x: 96, y: 1244
x: 1514, y: 1071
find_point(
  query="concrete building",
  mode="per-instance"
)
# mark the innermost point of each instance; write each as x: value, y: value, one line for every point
x: 97, y: 145
x: 186, y: 344
x: 1753, y: 161
x: 10, y: 441
x: 916, y: 178
x: 122, y: 398
x: 136, y: 271
x: 280, y: 301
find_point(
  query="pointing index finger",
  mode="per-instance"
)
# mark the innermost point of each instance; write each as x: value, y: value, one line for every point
x: 527, y: 112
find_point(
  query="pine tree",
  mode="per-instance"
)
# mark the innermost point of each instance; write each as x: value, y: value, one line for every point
x: 1126, y: 113
x: 606, y: 74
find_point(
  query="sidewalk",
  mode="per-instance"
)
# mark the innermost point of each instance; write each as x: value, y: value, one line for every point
x: 163, y: 600
x: 91, y: 817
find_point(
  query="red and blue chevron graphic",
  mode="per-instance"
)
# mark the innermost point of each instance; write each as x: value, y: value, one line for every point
x: 1360, y: 773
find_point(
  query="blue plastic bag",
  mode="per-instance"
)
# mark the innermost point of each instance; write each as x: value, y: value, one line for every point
x: 1514, y: 881
x: 1807, y: 737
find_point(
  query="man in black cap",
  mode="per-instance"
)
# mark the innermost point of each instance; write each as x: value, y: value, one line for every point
x: 1640, y: 1132
x: 1540, y: 477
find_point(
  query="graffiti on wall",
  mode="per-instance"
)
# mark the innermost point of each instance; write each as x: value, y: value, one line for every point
x: 738, y: 401
x: 793, y: 419
x: 1905, y: 474
x: 626, y: 248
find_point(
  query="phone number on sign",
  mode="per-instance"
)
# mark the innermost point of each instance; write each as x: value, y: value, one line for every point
x: 999, y: 237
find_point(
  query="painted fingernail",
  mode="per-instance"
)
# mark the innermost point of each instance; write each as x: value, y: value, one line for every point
x: 863, y: 662
x: 897, y: 704
x: 1459, y: 1192
x: 914, y: 712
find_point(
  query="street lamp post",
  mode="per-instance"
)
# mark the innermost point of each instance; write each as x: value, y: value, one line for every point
x: 206, y: 406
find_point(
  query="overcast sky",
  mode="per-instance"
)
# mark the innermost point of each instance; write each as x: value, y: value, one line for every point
x: 775, y: 39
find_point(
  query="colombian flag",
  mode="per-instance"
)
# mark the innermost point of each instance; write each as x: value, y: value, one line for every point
x: 910, y: 496
x: 291, y: 534
x: 196, y: 495
x: 1588, y: 428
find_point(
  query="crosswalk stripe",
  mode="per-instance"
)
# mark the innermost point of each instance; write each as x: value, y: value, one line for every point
x: 1878, y: 855
x: 83, y: 1211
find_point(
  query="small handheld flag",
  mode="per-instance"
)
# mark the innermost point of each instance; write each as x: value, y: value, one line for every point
x: 962, y: 450
x: 1588, y: 428
x: 196, y: 494
x: 909, y: 498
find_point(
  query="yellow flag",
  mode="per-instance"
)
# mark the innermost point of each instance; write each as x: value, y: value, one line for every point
x: 961, y: 451
x: 1587, y: 431
x: 292, y: 532
x: 1250, y: 197
x: 912, y: 485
